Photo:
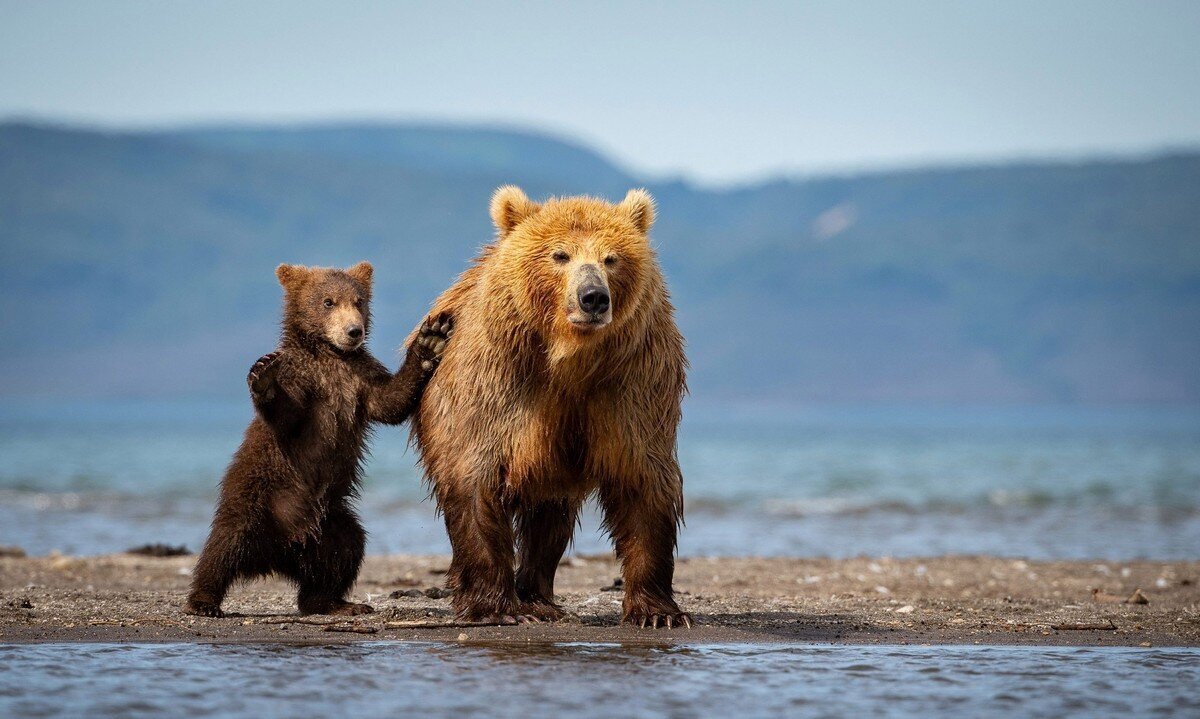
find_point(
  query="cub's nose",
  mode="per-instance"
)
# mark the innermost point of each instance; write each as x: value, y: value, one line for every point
x: 354, y: 331
x: 593, y: 299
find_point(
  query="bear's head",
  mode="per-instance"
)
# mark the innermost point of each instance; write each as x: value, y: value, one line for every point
x: 575, y: 267
x: 327, y: 307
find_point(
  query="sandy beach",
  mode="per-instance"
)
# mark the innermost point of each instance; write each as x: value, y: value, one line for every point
x: 946, y: 600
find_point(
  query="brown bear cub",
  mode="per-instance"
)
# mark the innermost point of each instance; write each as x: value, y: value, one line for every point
x: 563, y: 382
x: 286, y: 502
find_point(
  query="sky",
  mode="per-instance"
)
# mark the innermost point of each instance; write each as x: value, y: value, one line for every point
x: 718, y: 92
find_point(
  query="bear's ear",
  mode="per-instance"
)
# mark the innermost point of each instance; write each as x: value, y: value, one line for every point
x: 509, y: 207
x: 292, y: 276
x: 362, y: 273
x: 639, y: 206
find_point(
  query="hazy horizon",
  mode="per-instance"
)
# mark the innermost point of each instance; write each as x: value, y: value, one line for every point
x: 799, y: 174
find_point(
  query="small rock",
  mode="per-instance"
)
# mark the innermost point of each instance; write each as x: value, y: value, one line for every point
x: 462, y: 636
x: 906, y: 609
x: 406, y: 593
x: 1137, y: 597
x: 618, y: 585
x: 882, y: 589
x: 159, y: 550
x: 1145, y: 644
x: 437, y: 593
x: 1161, y: 583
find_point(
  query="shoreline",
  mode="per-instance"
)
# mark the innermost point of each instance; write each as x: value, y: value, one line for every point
x: 936, y: 600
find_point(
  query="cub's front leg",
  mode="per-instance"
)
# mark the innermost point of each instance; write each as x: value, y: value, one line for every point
x: 395, y: 399
x: 274, y: 403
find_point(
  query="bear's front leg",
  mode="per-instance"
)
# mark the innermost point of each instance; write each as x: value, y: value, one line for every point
x: 543, y: 532
x: 481, y: 577
x: 643, y: 526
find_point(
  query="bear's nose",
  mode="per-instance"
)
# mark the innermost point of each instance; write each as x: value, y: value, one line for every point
x: 354, y: 331
x: 593, y: 299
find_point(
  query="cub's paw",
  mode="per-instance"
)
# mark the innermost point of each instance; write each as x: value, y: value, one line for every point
x: 262, y: 376
x: 200, y: 608
x: 432, y: 338
x: 654, y: 614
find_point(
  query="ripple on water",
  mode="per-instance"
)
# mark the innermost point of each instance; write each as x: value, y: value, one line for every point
x: 591, y: 680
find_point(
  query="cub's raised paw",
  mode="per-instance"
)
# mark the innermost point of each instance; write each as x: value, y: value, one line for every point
x: 432, y: 338
x: 262, y: 375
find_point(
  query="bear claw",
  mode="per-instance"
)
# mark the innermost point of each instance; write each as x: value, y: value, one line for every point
x: 432, y: 338
x: 262, y: 374
x: 659, y: 620
x: 203, y: 610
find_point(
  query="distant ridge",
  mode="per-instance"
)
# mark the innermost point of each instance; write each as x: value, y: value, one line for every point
x: 150, y: 256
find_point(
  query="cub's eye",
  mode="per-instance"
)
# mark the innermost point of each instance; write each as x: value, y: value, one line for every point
x: 328, y: 302
x: 610, y: 260
x: 560, y: 256
x: 358, y: 302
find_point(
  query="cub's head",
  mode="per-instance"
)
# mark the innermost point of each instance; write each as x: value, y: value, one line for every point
x: 576, y: 266
x: 326, y: 305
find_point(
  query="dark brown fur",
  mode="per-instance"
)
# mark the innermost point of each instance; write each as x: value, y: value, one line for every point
x: 286, y: 501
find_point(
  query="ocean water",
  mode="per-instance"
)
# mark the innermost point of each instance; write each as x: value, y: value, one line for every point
x: 593, y: 680
x: 1030, y: 482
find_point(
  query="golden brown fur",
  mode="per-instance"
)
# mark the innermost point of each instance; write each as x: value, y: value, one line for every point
x: 531, y: 413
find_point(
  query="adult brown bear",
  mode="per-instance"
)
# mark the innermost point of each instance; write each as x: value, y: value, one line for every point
x: 564, y: 380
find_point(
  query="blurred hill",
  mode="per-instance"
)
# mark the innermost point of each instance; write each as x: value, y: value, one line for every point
x: 140, y: 264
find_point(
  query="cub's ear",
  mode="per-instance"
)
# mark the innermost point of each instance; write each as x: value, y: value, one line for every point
x: 639, y: 206
x: 509, y: 207
x: 362, y: 273
x: 292, y: 276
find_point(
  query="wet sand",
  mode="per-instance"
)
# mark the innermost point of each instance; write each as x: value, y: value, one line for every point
x: 944, y: 600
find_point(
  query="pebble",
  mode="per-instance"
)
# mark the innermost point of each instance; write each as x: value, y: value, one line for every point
x: 906, y: 609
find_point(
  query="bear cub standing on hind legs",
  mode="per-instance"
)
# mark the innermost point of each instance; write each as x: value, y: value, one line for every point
x: 286, y: 500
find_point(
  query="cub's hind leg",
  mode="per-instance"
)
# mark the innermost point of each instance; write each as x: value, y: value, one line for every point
x: 326, y: 567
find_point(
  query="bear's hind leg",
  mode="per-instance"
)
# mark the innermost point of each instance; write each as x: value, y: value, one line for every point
x: 327, y: 567
x: 543, y: 532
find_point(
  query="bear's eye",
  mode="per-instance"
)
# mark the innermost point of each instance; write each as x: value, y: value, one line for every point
x: 358, y: 302
x: 560, y: 256
x: 328, y: 302
x: 610, y: 260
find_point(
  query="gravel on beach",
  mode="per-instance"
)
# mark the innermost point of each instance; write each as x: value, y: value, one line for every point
x: 940, y: 600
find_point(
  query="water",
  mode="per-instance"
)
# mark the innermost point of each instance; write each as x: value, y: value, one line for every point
x: 1039, y: 483
x: 594, y: 680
